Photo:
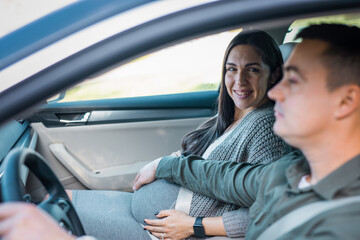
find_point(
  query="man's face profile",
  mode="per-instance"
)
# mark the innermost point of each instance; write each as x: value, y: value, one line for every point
x: 303, y: 106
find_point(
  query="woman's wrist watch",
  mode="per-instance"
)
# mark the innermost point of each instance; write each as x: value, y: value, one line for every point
x: 199, y: 230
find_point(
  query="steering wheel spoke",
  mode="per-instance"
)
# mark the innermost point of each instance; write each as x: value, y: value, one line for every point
x: 58, y: 209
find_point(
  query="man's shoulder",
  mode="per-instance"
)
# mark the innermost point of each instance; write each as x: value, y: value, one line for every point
x: 291, y: 158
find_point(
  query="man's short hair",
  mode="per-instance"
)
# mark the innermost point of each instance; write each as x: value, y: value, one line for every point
x: 342, y: 57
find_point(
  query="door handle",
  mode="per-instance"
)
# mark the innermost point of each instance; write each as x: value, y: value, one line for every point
x: 83, y: 120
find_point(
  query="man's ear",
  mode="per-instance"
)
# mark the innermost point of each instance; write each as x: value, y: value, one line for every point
x: 349, y: 101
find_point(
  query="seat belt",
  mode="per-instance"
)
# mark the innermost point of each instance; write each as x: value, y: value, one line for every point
x: 301, y: 215
x: 183, y: 201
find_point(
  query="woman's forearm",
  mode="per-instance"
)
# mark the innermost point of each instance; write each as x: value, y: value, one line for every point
x: 214, y: 226
x: 211, y: 178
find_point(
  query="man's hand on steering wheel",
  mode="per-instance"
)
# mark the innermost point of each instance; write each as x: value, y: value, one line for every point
x: 25, y: 221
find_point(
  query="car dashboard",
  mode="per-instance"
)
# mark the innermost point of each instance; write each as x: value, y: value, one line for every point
x: 16, y: 134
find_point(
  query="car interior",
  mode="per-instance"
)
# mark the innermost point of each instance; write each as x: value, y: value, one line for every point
x: 97, y: 149
x: 100, y: 142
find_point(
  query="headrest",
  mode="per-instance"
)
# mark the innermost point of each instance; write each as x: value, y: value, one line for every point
x: 286, y: 49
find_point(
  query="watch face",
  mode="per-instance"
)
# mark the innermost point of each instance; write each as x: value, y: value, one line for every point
x: 199, y: 230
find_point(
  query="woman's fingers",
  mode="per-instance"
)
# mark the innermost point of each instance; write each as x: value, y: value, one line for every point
x: 164, y: 213
x: 155, y: 229
x: 137, y: 177
x: 161, y: 236
x: 140, y: 179
x: 139, y: 183
x: 146, y: 174
x: 154, y: 222
x: 174, y: 224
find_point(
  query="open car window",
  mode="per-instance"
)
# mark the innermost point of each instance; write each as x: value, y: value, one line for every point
x: 187, y: 67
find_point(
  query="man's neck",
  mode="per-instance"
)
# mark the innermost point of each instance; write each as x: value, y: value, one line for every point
x: 327, y: 156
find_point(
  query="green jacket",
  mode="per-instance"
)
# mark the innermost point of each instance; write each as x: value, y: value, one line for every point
x: 270, y: 190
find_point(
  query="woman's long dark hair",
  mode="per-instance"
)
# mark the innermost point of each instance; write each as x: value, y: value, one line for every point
x: 196, y: 142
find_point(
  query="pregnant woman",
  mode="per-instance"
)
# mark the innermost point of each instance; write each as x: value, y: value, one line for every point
x: 241, y: 132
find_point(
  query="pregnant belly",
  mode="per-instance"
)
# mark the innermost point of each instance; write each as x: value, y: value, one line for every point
x: 152, y: 198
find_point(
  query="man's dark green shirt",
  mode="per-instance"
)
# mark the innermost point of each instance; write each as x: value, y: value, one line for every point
x: 271, y: 191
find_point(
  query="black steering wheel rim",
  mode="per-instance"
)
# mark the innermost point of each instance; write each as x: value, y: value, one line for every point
x: 58, y: 205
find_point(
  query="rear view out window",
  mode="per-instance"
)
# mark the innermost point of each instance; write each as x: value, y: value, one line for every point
x: 187, y: 67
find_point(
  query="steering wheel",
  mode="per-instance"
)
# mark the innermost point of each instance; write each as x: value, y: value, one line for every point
x: 58, y: 205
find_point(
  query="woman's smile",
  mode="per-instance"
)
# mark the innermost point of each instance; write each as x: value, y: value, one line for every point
x: 243, y: 94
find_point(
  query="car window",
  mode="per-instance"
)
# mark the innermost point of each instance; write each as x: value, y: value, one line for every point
x: 191, y: 66
x: 296, y: 26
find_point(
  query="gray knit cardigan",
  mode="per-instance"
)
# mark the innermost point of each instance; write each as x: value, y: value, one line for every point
x: 253, y: 141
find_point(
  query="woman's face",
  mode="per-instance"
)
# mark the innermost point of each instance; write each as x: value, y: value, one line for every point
x: 246, y: 78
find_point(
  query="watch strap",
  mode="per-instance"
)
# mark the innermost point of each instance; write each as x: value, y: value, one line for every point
x: 199, y: 230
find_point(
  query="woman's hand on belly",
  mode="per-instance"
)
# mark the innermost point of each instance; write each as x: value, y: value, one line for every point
x: 146, y: 174
x: 172, y: 225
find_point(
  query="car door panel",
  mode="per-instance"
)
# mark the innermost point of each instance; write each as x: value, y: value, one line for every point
x: 98, y: 149
x: 108, y: 149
